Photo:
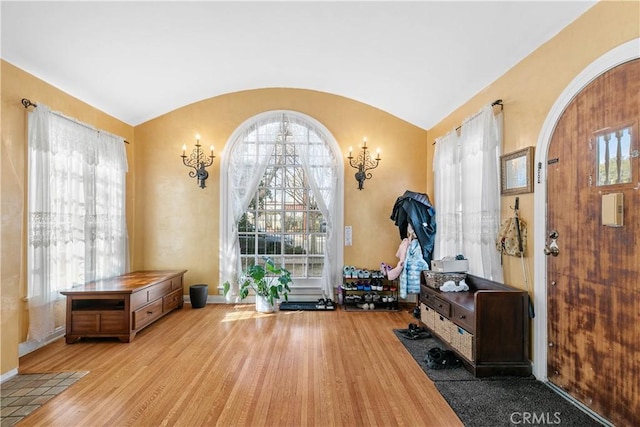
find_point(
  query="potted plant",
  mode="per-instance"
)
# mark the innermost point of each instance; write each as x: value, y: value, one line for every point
x: 269, y: 283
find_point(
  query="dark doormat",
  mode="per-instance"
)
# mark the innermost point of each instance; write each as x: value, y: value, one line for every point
x: 306, y: 306
x: 499, y: 400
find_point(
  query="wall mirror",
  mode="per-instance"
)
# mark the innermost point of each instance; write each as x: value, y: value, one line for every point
x: 516, y: 172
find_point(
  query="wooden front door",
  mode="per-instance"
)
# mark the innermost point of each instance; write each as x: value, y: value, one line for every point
x: 593, y: 273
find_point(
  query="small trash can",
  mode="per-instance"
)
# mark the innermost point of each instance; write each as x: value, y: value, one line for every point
x: 198, y: 295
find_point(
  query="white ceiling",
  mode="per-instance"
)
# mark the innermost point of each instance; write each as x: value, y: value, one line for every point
x: 417, y: 60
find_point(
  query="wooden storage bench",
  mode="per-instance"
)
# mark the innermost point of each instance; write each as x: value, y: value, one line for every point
x: 487, y: 326
x: 121, y: 306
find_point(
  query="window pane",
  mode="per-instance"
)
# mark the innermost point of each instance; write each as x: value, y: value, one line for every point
x: 614, y: 157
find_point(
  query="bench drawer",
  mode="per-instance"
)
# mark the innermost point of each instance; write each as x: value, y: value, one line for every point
x: 441, y: 306
x: 173, y: 300
x: 463, y: 317
x: 147, y: 314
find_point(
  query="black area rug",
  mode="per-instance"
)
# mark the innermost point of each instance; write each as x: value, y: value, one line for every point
x: 305, y: 306
x: 497, y: 401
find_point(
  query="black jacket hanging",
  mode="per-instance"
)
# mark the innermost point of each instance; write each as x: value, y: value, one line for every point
x: 415, y: 208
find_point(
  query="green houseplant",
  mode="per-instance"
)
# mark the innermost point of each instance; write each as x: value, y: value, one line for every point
x: 268, y: 282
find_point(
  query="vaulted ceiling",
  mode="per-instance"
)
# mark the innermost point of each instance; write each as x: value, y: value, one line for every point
x: 417, y: 60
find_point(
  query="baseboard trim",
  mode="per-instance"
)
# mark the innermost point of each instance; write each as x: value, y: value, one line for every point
x: 8, y: 375
x: 31, y: 345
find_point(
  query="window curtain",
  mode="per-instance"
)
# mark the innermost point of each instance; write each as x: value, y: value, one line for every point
x: 467, y: 190
x: 76, y: 213
x: 321, y: 169
x: 446, y: 171
x: 249, y: 159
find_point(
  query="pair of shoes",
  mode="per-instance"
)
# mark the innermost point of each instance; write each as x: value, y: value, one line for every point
x: 438, y: 358
x: 416, y: 312
x: 367, y: 306
x: 349, y: 272
x: 325, y: 304
x: 414, y: 332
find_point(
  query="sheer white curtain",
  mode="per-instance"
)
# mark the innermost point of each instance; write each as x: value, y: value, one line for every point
x: 248, y: 161
x: 321, y: 167
x: 76, y: 222
x: 446, y: 178
x: 467, y: 191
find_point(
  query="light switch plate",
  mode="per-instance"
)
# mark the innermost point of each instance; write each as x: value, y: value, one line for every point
x: 348, y: 235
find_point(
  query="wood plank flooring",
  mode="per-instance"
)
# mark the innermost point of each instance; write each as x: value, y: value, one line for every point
x: 228, y: 365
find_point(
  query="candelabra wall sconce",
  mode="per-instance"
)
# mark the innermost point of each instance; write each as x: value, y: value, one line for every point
x: 363, y: 163
x: 199, y: 161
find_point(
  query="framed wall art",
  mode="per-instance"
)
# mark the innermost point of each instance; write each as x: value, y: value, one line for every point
x: 516, y: 172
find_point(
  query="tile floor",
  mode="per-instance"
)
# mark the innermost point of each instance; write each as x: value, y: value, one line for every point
x: 23, y: 394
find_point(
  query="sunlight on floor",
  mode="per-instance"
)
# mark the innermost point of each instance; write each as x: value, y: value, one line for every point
x: 244, y: 312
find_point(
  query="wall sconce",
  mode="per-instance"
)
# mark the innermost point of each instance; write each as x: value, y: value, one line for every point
x: 364, y: 163
x: 198, y: 161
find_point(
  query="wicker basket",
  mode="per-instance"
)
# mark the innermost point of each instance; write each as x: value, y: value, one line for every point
x: 462, y: 341
x: 435, y: 280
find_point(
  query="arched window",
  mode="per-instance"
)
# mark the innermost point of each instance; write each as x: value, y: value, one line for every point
x: 282, y: 182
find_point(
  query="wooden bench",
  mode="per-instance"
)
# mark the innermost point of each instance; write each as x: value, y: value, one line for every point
x: 487, y: 326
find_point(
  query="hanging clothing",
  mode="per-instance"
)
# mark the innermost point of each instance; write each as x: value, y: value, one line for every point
x: 414, y: 265
x: 415, y: 208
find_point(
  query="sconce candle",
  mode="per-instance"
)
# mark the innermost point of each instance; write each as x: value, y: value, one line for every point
x: 198, y: 161
x: 363, y: 163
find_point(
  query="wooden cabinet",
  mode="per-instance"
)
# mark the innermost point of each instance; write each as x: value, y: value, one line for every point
x: 486, y: 326
x: 121, y: 306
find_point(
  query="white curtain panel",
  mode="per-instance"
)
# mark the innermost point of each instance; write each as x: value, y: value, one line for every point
x: 321, y: 167
x: 446, y: 171
x: 249, y: 159
x: 76, y: 222
x: 480, y: 193
x: 467, y: 190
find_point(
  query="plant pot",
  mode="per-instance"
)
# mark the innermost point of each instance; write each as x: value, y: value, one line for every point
x: 263, y: 306
x: 198, y: 295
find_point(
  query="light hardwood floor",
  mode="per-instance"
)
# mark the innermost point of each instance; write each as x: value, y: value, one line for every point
x: 227, y: 365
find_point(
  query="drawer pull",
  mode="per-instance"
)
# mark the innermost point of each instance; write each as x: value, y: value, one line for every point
x: 439, y: 305
x: 462, y: 316
x: 149, y: 312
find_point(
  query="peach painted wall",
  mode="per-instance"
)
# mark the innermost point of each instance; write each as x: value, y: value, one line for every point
x: 17, y: 84
x: 179, y: 222
x: 531, y: 87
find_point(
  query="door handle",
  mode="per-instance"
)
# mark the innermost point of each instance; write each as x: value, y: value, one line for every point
x: 552, y: 248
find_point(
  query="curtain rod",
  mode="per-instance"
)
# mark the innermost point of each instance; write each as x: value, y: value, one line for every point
x: 493, y: 104
x: 27, y: 103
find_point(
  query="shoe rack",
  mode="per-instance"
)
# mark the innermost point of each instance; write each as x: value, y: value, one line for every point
x: 368, y: 290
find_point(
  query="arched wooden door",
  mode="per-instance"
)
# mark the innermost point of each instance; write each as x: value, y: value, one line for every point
x: 593, y: 279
